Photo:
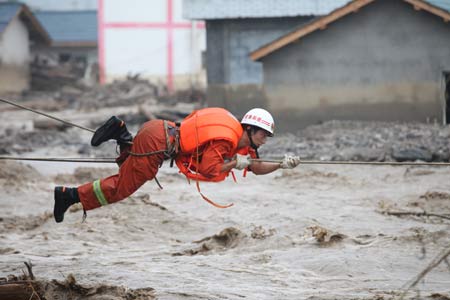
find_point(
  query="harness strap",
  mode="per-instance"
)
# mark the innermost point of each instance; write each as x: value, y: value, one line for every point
x: 196, y: 171
x: 172, y: 132
x: 209, y: 200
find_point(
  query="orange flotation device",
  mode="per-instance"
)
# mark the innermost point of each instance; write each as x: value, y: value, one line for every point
x: 201, y: 127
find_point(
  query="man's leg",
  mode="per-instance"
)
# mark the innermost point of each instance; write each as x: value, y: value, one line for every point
x: 64, y: 198
x: 113, y: 129
x: 133, y: 173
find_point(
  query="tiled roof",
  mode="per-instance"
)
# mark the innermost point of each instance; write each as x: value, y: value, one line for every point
x: 69, y: 26
x: 7, y: 12
x: 231, y: 9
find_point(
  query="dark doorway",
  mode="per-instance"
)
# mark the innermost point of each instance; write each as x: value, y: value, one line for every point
x: 446, y: 87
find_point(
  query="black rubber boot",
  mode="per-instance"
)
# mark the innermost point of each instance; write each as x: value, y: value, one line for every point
x: 64, y: 198
x: 113, y: 129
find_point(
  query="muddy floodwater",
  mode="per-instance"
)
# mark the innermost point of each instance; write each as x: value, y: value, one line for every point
x: 315, y: 232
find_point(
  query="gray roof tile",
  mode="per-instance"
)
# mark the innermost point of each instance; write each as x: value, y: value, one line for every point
x: 69, y: 26
x: 230, y: 9
x: 7, y: 12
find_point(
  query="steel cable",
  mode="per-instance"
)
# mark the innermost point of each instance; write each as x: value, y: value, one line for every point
x: 62, y: 159
x: 375, y: 163
x: 47, y: 115
x: 304, y: 162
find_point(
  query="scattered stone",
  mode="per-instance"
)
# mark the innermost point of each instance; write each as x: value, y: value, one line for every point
x: 364, y: 141
x: 412, y: 154
x: 259, y: 233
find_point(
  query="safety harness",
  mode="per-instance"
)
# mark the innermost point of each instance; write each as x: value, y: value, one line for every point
x: 252, y: 144
x: 172, y: 149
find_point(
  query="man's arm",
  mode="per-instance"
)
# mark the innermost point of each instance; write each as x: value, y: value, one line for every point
x: 261, y: 168
x: 212, y: 162
x: 288, y: 162
x: 227, y: 166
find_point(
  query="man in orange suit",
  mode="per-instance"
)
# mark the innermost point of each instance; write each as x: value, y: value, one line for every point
x: 206, y: 146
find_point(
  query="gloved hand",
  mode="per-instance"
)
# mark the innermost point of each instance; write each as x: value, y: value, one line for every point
x: 242, y: 161
x: 290, y: 162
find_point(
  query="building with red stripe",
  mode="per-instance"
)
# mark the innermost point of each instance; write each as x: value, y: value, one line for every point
x: 150, y: 38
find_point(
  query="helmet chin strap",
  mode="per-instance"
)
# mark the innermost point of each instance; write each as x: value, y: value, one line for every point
x: 249, y: 133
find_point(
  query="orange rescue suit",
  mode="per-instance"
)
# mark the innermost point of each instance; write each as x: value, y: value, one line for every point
x: 207, y: 137
x: 133, y: 173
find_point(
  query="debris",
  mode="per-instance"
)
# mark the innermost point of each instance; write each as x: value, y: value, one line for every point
x: 436, y: 195
x: 226, y: 239
x: 364, y: 141
x: 25, y: 223
x: 417, y: 214
x: 26, y: 287
x: 324, y: 236
x: 17, y: 172
x: 435, y: 262
x: 260, y: 233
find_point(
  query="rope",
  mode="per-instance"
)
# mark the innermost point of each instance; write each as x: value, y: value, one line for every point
x: 47, y: 115
x: 109, y: 160
x: 304, y: 162
x: 82, y: 160
x: 373, y: 163
x: 146, y: 153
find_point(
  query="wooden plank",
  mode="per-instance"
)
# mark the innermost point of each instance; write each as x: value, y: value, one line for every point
x: 307, y: 29
x: 17, y: 291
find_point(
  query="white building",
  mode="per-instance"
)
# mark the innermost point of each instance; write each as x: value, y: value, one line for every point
x: 150, y: 38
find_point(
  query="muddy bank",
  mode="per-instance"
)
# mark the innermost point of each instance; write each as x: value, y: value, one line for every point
x: 27, y: 287
x: 365, y: 141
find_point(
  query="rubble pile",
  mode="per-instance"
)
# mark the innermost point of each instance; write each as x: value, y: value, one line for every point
x: 18, y: 142
x: 49, y: 75
x: 72, y: 93
x: 134, y: 100
x: 365, y: 141
x: 131, y: 91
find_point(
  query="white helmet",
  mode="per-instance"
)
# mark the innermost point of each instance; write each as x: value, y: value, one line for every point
x: 260, y: 118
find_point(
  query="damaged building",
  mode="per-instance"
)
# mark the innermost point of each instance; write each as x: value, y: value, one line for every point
x: 72, y: 55
x: 379, y: 60
x: 74, y: 43
x: 236, y: 28
x: 20, y: 31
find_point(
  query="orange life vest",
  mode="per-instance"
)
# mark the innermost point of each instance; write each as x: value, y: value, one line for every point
x: 201, y: 127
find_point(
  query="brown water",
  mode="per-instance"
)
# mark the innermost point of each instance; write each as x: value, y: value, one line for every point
x: 316, y: 232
